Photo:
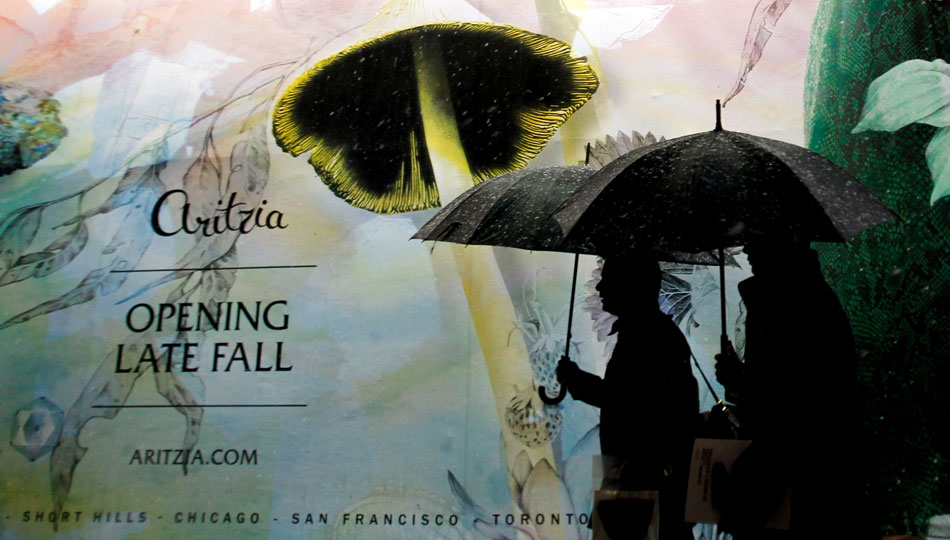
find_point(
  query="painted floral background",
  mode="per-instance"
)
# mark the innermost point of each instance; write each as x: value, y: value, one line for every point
x: 410, y: 396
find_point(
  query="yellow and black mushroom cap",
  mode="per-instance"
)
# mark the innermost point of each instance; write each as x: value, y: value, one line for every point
x: 358, y: 111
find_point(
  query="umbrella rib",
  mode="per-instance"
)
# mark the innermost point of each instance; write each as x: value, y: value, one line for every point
x: 492, y: 210
x: 453, y: 206
x: 794, y: 180
x: 818, y: 191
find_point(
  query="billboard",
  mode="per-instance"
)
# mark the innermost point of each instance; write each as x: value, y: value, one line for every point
x: 215, y: 323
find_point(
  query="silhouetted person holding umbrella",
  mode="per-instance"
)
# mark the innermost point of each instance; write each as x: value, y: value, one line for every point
x: 796, y: 396
x: 648, y: 398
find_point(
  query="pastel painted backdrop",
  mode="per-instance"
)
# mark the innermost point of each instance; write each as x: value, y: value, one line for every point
x: 394, y: 372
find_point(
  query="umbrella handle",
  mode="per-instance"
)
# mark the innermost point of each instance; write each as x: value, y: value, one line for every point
x: 542, y: 393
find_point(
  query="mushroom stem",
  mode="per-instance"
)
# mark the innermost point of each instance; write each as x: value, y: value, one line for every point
x: 493, y: 314
x: 443, y: 140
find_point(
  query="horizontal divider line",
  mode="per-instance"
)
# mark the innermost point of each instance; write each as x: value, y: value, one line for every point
x: 221, y: 405
x: 276, y: 267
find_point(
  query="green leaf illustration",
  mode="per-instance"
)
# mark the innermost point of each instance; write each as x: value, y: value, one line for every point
x: 915, y: 91
x: 82, y: 293
x: 125, y: 191
x: 105, y: 390
x: 53, y: 257
x: 938, y: 159
x: 19, y: 234
x: 170, y: 386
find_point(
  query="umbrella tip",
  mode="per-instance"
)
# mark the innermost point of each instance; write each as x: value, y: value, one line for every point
x: 718, y: 116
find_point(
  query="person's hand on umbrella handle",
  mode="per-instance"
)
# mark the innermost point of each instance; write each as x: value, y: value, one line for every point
x: 566, y: 369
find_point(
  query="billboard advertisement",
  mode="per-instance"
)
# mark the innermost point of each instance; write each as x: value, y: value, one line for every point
x: 216, y: 321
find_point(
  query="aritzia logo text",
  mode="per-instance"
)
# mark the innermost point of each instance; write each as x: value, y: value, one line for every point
x: 227, y: 217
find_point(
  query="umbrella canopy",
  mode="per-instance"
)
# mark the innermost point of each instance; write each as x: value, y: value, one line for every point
x: 712, y: 190
x: 511, y: 210
x: 515, y: 209
x: 716, y: 189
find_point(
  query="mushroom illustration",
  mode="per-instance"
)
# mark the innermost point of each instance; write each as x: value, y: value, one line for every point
x: 420, y: 110
x: 378, y: 116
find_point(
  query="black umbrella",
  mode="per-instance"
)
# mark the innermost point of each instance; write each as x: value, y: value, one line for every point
x: 514, y: 210
x: 713, y: 190
x: 510, y: 210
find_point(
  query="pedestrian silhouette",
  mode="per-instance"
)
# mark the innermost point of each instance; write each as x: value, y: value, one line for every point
x: 648, y: 400
x: 796, y: 396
